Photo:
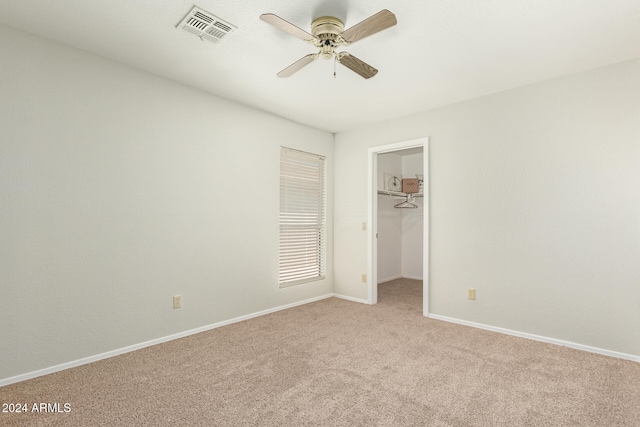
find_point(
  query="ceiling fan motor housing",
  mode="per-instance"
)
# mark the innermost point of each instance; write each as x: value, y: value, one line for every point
x: 327, y: 30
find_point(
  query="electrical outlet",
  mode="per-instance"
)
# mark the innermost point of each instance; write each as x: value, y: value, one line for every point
x: 177, y: 301
x: 364, y: 278
x: 471, y: 293
x: 364, y: 226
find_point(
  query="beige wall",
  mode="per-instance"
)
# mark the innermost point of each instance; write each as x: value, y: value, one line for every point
x: 119, y: 189
x: 534, y: 202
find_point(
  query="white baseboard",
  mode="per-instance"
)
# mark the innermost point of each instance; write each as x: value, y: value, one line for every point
x: 569, y: 344
x: 345, y: 297
x: 134, y: 347
x: 388, y: 279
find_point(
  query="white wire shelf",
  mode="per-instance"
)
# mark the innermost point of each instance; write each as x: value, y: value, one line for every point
x: 398, y: 193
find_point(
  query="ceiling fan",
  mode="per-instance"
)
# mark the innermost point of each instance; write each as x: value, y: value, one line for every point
x: 327, y: 34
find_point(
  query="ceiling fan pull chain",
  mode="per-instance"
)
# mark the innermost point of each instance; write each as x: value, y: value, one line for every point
x: 335, y: 59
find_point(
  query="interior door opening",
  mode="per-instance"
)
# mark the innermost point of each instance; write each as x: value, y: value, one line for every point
x: 398, y: 239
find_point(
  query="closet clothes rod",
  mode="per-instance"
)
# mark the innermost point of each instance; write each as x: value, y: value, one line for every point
x: 398, y: 193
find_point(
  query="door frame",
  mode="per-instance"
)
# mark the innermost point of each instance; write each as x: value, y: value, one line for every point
x: 372, y: 247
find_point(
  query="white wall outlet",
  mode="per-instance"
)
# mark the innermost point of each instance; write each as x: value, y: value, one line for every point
x: 364, y: 226
x: 471, y: 293
x: 364, y: 278
x: 177, y: 301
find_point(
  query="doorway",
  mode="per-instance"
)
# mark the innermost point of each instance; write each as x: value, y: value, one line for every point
x: 375, y: 181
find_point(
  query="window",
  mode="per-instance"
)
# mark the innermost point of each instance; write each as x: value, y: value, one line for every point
x: 302, y: 223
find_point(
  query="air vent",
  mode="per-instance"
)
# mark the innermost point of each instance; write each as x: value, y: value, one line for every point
x: 206, y: 26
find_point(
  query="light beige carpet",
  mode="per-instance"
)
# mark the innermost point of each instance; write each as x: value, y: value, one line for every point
x: 339, y: 363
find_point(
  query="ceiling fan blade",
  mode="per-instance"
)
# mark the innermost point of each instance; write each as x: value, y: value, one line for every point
x: 356, y: 65
x: 373, y: 24
x: 298, y: 65
x: 286, y: 26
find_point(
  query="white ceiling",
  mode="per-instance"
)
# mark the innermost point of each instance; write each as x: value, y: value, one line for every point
x: 440, y: 52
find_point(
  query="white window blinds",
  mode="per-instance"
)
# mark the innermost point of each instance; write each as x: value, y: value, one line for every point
x: 302, y: 222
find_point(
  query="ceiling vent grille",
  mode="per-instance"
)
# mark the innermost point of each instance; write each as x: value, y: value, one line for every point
x: 206, y: 26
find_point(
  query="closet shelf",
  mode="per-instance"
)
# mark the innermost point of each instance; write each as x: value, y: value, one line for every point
x: 398, y: 193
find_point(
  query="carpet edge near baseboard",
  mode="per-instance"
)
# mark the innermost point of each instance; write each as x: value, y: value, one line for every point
x: 155, y: 341
x: 134, y: 347
x: 576, y: 346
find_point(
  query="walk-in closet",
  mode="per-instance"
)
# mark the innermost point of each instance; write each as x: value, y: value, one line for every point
x: 400, y: 215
